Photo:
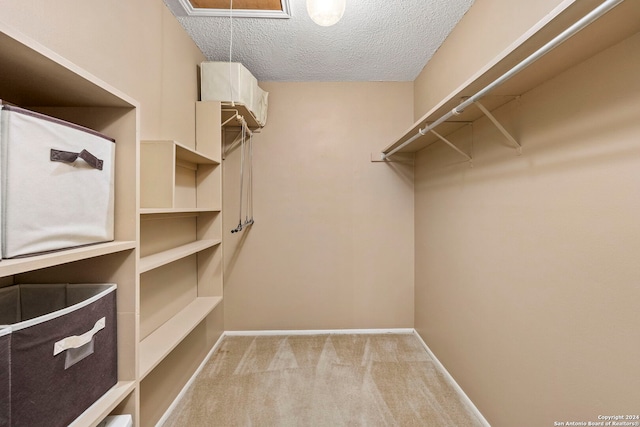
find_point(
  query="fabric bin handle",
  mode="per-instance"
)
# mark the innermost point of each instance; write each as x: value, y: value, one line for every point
x: 70, y: 157
x: 76, y: 341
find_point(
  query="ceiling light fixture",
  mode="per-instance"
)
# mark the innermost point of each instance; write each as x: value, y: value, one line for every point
x: 326, y: 12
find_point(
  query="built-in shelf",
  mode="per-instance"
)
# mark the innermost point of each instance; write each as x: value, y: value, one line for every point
x: 35, y: 77
x: 155, y: 347
x: 188, y: 155
x: 156, y: 211
x: 103, y: 406
x: 10, y: 267
x: 180, y: 264
x: 616, y: 25
x: 165, y: 257
x: 174, y: 176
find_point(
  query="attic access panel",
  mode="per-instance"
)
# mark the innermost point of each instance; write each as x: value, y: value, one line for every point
x: 241, y: 8
x: 238, y: 4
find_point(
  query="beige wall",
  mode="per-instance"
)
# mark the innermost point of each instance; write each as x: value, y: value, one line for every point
x: 137, y: 47
x: 332, y: 246
x: 527, y: 272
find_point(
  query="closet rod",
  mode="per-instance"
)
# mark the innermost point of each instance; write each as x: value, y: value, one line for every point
x: 589, y: 18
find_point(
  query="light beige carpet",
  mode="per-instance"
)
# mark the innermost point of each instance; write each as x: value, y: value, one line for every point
x: 321, y: 380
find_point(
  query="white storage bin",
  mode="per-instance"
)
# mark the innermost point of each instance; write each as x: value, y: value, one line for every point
x: 260, y: 104
x: 225, y: 82
x: 57, y: 184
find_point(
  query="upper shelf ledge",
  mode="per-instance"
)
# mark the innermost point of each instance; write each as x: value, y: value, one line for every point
x: 34, y: 76
x: 581, y: 29
x: 234, y: 115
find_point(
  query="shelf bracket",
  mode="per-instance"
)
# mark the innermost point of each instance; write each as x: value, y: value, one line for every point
x: 446, y: 141
x: 236, y: 114
x: 404, y: 158
x: 232, y: 146
x: 501, y: 128
x: 243, y: 130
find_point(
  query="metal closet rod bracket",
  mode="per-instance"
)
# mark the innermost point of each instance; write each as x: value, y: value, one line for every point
x: 501, y: 128
x: 446, y: 141
x: 238, y: 138
x: 236, y: 113
x: 403, y: 158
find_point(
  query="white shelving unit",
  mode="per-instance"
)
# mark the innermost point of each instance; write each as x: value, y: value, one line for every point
x: 167, y: 254
x: 36, y: 78
x: 180, y: 264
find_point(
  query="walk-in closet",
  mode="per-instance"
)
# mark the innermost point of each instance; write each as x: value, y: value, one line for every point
x: 236, y: 213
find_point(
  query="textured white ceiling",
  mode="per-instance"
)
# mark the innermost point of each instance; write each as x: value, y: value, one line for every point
x: 376, y: 40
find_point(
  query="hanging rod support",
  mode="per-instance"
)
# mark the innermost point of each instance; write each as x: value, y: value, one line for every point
x: 235, y: 114
x: 450, y: 144
x: 499, y: 126
x: 233, y: 145
x: 239, y: 117
x: 585, y: 21
x: 244, y: 129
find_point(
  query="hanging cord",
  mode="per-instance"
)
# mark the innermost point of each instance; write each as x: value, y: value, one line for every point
x: 249, y: 215
x: 242, y: 150
x: 233, y: 104
x: 251, y: 175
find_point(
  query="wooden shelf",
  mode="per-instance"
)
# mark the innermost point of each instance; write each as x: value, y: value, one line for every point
x: 159, y: 211
x: 162, y: 258
x: 155, y: 347
x: 618, y: 24
x: 175, y: 176
x: 52, y: 80
x: 10, y: 267
x: 187, y: 154
x: 103, y: 406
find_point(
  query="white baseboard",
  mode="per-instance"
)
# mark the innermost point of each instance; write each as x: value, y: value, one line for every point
x: 398, y: 331
x: 180, y: 395
x: 472, y: 407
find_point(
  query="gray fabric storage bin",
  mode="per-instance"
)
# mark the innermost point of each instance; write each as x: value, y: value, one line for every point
x: 5, y: 384
x: 62, y: 350
x: 57, y: 184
